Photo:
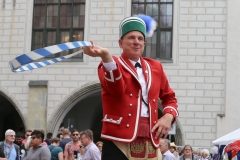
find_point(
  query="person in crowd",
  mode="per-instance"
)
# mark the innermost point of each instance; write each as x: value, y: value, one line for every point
x: 197, y: 152
x: 56, y: 151
x: 72, y: 151
x: 99, y: 144
x: 65, y: 138
x: 205, y: 155
x: 164, y: 148
x: 44, y: 143
x: 18, y: 140
x: 38, y: 151
x: 27, y: 145
x: 49, y: 138
x: 9, y: 150
x: 180, y: 151
x: 91, y: 151
x: 188, y: 154
x: 82, y: 149
x: 133, y: 84
x: 59, y: 135
x: 214, y: 152
x: 27, y: 133
x: 173, y: 150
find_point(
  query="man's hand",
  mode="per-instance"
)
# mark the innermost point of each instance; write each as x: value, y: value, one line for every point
x: 162, y: 126
x: 97, y: 51
x: 3, y: 159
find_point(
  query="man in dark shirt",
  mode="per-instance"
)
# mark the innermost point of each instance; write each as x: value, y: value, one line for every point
x: 66, y: 138
x: 38, y: 151
x: 18, y: 140
x: 49, y: 138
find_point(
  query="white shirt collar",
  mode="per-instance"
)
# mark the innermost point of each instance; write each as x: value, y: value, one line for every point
x: 133, y: 62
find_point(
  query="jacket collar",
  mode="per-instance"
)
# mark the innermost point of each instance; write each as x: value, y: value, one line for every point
x: 132, y: 69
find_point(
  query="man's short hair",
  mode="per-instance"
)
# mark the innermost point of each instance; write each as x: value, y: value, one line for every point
x: 75, y: 130
x: 28, y: 130
x: 55, y: 140
x: 65, y: 131
x: 49, y: 135
x: 38, y: 134
x: 166, y: 142
x: 20, y: 135
x: 8, y: 132
x: 88, y: 133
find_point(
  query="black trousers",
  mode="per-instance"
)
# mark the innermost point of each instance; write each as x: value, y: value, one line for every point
x: 111, y: 152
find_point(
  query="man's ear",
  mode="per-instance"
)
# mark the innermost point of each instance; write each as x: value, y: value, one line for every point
x: 120, y: 43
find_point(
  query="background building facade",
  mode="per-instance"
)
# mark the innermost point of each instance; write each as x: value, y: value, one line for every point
x: 203, y: 71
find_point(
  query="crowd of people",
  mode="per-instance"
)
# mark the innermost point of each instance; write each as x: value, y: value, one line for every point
x: 77, y: 145
x: 32, y: 145
x: 171, y: 152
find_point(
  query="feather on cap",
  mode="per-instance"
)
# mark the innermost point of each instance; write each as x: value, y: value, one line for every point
x: 151, y: 24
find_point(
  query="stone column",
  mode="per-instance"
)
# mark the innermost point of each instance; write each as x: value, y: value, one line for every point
x: 37, y: 105
x: 228, y: 121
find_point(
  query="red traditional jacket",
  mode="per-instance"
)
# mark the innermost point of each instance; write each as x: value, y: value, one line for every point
x: 122, y: 98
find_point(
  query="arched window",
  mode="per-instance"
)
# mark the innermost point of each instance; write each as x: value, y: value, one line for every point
x: 58, y: 21
x: 159, y: 46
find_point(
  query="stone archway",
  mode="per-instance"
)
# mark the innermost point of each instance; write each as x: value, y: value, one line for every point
x: 12, y: 115
x: 69, y: 102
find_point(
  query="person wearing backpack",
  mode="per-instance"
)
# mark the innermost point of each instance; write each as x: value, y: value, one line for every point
x: 72, y: 151
x: 56, y: 151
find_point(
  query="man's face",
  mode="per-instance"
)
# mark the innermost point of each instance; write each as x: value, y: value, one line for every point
x: 187, y: 151
x: 85, y: 140
x: 27, y: 134
x: 75, y: 136
x: 35, y: 141
x: 19, y: 141
x: 10, y: 137
x: 132, y: 44
x: 163, y: 146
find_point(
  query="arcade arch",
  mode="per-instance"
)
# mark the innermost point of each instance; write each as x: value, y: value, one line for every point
x: 12, y: 115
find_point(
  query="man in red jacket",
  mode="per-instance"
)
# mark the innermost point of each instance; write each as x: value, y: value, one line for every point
x: 131, y: 87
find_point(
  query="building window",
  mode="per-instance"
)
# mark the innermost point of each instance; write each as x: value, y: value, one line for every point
x: 159, y: 46
x: 58, y: 21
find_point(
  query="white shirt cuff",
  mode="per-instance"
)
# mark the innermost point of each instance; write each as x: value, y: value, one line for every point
x: 110, y: 65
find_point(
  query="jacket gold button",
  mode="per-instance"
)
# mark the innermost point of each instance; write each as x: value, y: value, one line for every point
x: 155, y: 122
x: 127, y: 125
x: 105, y: 73
x: 130, y: 104
x: 155, y: 111
x: 129, y: 115
x: 154, y: 100
x: 130, y: 95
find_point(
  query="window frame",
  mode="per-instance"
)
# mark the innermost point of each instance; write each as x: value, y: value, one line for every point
x: 58, y: 29
x: 159, y: 29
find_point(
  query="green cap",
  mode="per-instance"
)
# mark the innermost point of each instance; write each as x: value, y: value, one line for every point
x: 132, y: 24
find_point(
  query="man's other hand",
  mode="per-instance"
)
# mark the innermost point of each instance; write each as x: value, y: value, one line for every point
x: 162, y: 126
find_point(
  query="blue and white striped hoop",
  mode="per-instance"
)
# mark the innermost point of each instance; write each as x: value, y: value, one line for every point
x: 23, y: 62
